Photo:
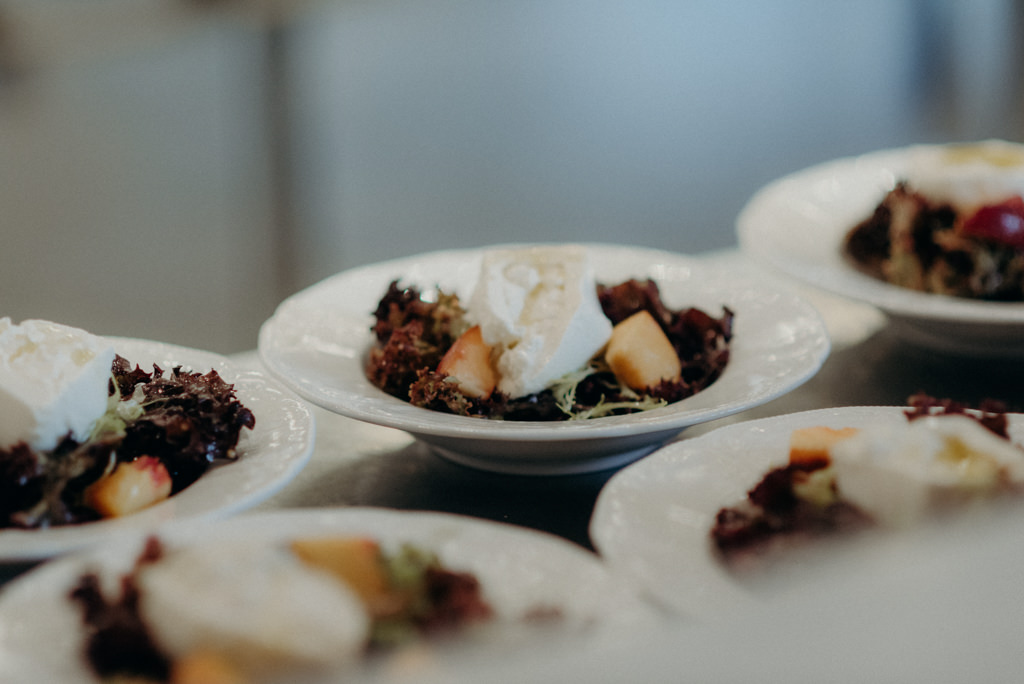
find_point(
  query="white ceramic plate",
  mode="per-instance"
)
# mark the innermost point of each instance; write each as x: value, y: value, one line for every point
x: 519, y: 570
x: 271, y: 454
x: 652, y: 520
x: 317, y: 340
x: 797, y: 224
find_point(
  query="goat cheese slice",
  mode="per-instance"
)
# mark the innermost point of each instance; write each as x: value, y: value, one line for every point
x: 538, y: 307
x: 53, y: 382
x: 967, y: 175
x: 900, y: 475
x: 256, y: 604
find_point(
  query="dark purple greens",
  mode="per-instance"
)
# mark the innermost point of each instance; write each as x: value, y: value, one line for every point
x: 412, y: 334
x: 186, y: 420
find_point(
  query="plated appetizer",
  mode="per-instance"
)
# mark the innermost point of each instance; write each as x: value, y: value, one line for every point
x: 848, y: 479
x: 86, y: 435
x: 354, y: 595
x: 952, y: 225
x: 824, y: 226
x: 781, y: 510
x: 540, y: 339
x: 319, y: 343
x: 243, y: 612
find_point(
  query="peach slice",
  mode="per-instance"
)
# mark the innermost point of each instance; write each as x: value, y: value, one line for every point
x: 468, y: 361
x: 813, y: 443
x: 132, y: 486
x: 205, y: 667
x: 640, y: 354
x: 357, y: 562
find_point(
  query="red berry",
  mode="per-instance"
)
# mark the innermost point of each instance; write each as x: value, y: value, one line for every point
x: 1003, y: 223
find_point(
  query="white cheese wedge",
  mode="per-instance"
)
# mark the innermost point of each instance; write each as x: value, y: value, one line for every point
x: 53, y: 381
x: 967, y: 176
x: 901, y: 474
x: 538, y: 307
x: 257, y: 605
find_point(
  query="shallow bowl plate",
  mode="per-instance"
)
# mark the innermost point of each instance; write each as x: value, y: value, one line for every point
x: 797, y: 224
x: 317, y: 341
x: 270, y: 455
x: 652, y: 521
x: 520, y: 571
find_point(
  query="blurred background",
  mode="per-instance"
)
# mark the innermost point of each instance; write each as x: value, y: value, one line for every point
x: 172, y: 169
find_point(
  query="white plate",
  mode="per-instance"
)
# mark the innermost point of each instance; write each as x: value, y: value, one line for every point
x: 271, y: 454
x: 317, y: 340
x: 797, y: 224
x: 652, y: 521
x: 519, y: 569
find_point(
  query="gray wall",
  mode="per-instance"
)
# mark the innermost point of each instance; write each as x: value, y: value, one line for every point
x: 140, y: 195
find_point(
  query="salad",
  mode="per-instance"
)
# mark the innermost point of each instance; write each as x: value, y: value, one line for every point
x: 847, y: 480
x: 952, y: 225
x: 243, y: 612
x: 160, y: 432
x: 584, y: 349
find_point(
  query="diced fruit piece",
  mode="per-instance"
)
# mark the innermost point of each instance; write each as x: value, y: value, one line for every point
x: 131, y: 487
x: 1003, y: 223
x: 205, y: 667
x: 357, y: 562
x: 816, y: 487
x: 810, y: 444
x: 468, y: 361
x: 640, y: 354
